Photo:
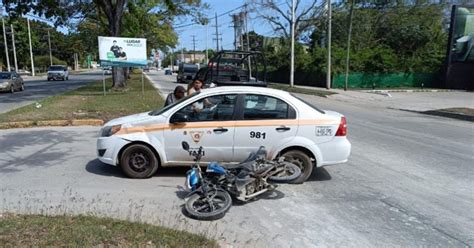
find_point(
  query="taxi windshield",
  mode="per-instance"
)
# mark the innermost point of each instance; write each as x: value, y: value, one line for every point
x: 162, y: 110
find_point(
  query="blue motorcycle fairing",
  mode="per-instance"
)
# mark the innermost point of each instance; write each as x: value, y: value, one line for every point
x: 214, y: 167
x: 192, y: 179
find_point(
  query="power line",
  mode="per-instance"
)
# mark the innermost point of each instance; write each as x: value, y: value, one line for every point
x: 220, y: 15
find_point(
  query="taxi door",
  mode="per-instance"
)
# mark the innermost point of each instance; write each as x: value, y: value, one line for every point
x: 209, y: 123
x: 264, y: 121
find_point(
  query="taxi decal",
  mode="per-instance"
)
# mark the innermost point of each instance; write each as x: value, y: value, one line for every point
x: 196, y: 135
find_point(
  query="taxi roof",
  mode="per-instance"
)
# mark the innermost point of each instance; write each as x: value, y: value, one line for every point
x: 245, y: 89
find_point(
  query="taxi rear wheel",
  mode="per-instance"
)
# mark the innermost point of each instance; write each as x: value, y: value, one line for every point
x: 138, y: 161
x: 303, y: 161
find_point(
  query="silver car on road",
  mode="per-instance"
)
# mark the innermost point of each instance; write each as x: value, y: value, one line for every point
x: 11, y: 82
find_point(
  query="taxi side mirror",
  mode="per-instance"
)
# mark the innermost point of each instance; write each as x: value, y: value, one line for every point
x: 179, y: 118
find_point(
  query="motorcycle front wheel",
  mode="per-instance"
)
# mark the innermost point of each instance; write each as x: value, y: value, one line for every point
x: 209, y: 206
x: 289, y: 174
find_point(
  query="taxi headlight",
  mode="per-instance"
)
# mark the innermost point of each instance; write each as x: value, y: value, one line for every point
x: 4, y: 83
x: 110, y: 130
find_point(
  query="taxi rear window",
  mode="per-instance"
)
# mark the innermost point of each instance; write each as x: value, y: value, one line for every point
x: 308, y: 103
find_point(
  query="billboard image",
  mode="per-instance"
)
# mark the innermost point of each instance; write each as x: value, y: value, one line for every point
x: 119, y: 51
x: 462, y: 49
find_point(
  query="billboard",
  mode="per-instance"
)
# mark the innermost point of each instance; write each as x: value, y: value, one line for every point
x: 462, y: 48
x: 119, y: 51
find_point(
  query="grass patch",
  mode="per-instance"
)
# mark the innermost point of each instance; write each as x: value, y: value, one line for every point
x: 87, y: 231
x: 306, y: 91
x: 88, y: 102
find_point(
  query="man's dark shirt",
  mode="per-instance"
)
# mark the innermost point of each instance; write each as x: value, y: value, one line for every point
x: 115, y: 49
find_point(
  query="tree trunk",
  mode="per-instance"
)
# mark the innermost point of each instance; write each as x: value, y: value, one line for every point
x: 118, y: 77
x: 113, y: 9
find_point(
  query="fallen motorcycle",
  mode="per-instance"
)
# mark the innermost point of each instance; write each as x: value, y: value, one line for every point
x: 210, y: 192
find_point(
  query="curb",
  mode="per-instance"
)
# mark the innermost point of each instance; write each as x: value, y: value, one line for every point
x: 155, y: 86
x: 25, y: 124
x: 451, y: 115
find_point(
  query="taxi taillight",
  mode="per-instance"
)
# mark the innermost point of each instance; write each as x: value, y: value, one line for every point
x: 342, y: 130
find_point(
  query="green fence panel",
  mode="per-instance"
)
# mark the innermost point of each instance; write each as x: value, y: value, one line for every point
x: 386, y: 80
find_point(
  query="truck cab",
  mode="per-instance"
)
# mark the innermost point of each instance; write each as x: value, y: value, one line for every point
x: 186, y: 73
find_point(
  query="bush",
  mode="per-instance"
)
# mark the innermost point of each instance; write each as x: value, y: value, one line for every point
x: 43, y: 62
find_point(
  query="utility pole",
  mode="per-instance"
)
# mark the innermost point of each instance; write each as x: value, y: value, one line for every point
x: 31, y: 49
x: 248, y: 43
x: 235, y: 20
x: 171, y: 60
x: 6, y: 44
x: 328, y: 76
x: 182, y: 55
x: 194, y: 48
x: 207, y: 52
x: 292, y: 69
x: 351, y: 13
x: 14, y: 47
x: 217, y: 35
x: 50, y: 54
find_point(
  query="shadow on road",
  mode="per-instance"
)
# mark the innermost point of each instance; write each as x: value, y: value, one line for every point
x: 46, y: 149
x: 101, y: 169
x: 172, y: 171
x: 319, y: 174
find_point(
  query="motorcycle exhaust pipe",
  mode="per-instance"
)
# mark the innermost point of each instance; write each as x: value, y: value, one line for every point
x: 247, y: 197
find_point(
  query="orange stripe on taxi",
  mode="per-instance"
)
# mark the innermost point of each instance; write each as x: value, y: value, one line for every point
x: 214, y: 124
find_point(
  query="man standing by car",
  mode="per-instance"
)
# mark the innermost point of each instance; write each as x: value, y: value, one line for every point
x: 177, y: 94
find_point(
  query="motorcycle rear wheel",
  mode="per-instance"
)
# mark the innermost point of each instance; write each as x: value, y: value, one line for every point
x: 213, y: 207
x: 290, y: 173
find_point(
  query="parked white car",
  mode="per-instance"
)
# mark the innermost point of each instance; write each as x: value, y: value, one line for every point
x: 230, y: 123
x: 56, y: 72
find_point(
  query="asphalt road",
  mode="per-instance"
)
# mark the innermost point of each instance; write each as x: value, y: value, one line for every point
x: 409, y: 182
x: 38, y: 88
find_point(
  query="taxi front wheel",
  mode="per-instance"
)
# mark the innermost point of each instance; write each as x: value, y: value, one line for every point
x: 303, y: 161
x: 138, y: 161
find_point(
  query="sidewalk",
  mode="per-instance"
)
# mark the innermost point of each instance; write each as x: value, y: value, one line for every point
x: 412, y: 101
x: 165, y: 84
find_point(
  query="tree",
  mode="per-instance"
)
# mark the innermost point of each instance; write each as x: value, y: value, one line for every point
x: 108, y: 12
x: 61, y: 48
x: 387, y: 37
x: 279, y: 15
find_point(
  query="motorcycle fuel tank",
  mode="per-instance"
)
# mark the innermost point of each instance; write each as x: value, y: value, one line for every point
x: 214, y: 167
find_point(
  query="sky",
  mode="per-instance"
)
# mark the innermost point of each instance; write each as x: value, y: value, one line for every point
x: 225, y: 23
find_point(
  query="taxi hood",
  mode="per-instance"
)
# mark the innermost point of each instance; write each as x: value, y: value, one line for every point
x: 129, y: 119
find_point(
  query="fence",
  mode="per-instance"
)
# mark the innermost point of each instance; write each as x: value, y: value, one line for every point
x: 360, y: 80
x: 387, y: 80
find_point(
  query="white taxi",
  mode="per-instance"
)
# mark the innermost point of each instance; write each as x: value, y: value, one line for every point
x: 229, y: 123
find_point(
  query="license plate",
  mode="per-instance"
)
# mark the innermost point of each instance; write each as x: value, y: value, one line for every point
x: 323, y: 131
